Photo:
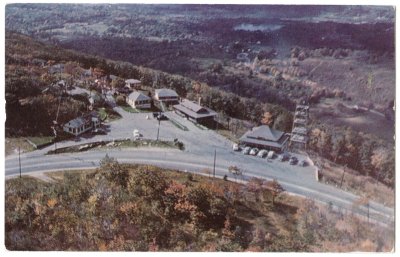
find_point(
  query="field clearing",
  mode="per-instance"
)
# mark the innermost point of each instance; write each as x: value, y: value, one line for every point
x: 329, y: 113
x: 365, y: 83
x: 12, y: 144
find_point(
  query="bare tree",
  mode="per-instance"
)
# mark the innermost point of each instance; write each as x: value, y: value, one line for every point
x: 275, y: 188
x: 235, y: 171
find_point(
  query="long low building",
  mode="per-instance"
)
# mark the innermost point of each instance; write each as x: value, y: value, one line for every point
x: 263, y: 137
x: 196, y: 112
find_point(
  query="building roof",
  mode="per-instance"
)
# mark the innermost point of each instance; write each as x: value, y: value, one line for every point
x: 264, y: 135
x: 132, y: 81
x: 113, y: 77
x: 137, y: 96
x: 193, y: 106
x: 166, y: 92
x: 76, y: 123
x: 80, y: 121
x: 194, y: 110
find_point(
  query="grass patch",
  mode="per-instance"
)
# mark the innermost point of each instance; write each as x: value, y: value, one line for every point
x: 40, y: 141
x: 148, y: 143
x: 130, y: 109
x: 108, y: 114
x: 119, y: 144
x: 12, y: 145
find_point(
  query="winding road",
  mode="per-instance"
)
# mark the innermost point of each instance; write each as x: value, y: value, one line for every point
x: 299, y: 183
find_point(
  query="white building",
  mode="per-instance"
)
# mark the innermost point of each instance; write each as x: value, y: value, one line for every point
x: 82, y: 124
x: 133, y: 83
x: 139, y: 100
x: 166, y: 95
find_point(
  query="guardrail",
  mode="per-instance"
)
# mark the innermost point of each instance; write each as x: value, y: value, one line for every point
x: 177, y: 124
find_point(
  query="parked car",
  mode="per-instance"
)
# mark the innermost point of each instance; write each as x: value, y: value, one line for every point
x: 246, y: 150
x: 254, y: 151
x: 283, y: 157
x: 293, y: 161
x: 99, y: 131
x: 271, y: 155
x: 262, y: 153
x: 136, y: 133
x: 303, y: 163
x: 235, y: 147
x: 161, y: 116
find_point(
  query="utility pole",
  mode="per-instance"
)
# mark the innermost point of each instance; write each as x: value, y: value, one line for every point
x: 341, y: 181
x: 215, y: 157
x: 158, y: 130
x: 19, y: 161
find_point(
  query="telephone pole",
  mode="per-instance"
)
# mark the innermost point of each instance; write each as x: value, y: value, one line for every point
x: 19, y: 161
x: 341, y: 181
x: 215, y: 158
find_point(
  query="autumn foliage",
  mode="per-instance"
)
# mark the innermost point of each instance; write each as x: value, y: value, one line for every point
x: 143, y: 208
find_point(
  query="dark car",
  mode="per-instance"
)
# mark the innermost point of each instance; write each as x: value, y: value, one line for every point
x: 283, y: 157
x: 293, y: 161
x: 161, y: 116
x: 303, y: 163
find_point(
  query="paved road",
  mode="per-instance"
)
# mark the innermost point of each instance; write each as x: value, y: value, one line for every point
x: 300, y: 182
x: 197, y: 156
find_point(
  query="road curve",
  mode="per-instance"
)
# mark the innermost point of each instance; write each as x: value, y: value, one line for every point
x: 300, y: 183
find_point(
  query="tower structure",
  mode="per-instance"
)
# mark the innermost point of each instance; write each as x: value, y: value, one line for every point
x: 298, y: 137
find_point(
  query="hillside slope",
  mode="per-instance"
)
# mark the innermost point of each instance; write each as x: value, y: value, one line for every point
x: 144, y: 208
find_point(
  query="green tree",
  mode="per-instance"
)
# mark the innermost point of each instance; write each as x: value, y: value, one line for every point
x: 284, y: 121
x: 118, y: 83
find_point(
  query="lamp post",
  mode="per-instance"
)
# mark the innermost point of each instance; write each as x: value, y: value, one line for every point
x: 158, y: 129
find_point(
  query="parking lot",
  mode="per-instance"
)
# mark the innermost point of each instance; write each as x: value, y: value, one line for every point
x: 199, y: 143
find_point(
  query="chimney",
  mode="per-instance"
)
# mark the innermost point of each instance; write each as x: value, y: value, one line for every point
x: 199, y: 101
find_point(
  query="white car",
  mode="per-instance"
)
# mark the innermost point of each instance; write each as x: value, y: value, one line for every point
x: 236, y: 147
x: 262, y: 153
x: 246, y: 150
x: 254, y: 151
x: 136, y: 133
x: 271, y: 155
